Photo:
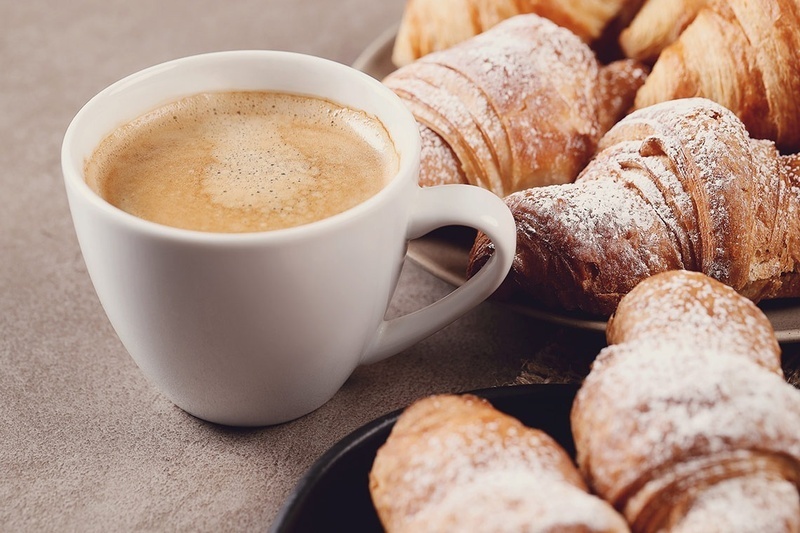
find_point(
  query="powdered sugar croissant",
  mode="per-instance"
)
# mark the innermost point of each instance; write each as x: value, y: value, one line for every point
x: 454, y: 463
x: 685, y: 423
x: 678, y: 185
x: 521, y: 105
x: 432, y: 25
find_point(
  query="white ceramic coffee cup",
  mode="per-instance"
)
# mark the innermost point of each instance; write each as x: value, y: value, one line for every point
x: 260, y: 328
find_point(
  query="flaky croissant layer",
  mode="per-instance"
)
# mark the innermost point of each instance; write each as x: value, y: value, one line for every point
x: 678, y: 185
x: 455, y: 463
x: 520, y: 105
x: 690, y: 426
x: 432, y: 25
x: 739, y: 53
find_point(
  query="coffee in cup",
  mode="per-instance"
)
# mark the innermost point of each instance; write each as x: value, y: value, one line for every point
x: 242, y: 161
x: 260, y: 327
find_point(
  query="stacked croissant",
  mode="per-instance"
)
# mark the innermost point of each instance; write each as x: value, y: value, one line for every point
x: 648, y: 152
x: 677, y: 150
x: 684, y: 424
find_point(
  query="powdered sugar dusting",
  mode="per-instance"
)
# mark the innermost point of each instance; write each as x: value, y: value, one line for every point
x: 609, y: 238
x: 680, y: 307
x: 448, y: 457
x: 707, y: 149
x: 748, y: 504
x: 493, y: 89
x: 645, y: 409
x: 689, y: 394
x: 507, y: 501
x: 442, y: 166
x: 676, y: 185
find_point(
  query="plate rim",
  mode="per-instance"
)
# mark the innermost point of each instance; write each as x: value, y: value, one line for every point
x: 305, y: 485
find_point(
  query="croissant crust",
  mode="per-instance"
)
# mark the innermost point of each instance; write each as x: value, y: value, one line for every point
x: 678, y: 185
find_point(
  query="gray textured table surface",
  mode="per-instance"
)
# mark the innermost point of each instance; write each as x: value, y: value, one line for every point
x: 87, y: 444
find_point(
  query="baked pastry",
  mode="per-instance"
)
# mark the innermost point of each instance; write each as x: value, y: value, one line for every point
x: 454, y: 463
x: 432, y: 25
x: 678, y: 185
x: 657, y: 24
x: 520, y: 105
x: 741, y: 54
x: 693, y: 432
x: 680, y: 306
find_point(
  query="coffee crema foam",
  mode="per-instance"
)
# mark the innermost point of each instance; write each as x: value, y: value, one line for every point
x: 243, y: 162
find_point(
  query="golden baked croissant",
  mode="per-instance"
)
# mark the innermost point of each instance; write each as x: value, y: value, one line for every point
x: 692, y: 431
x: 680, y: 306
x: 521, y: 105
x: 454, y: 463
x: 742, y: 54
x: 432, y: 25
x: 678, y: 185
x: 656, y: 25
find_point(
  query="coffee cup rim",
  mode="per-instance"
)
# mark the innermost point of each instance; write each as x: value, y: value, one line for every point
x: 403, y: 131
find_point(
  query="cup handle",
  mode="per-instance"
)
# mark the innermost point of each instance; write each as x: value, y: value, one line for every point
x: 450, y: 205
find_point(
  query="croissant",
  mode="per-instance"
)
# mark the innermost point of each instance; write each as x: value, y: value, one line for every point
x: 741, y: 54
x: 454, y: 463
x: 678, y: 185
x: 680, y: 306
x: 690, y: 426
x: 520, y: 105
x: 656, y: 25
x: 432, y: 25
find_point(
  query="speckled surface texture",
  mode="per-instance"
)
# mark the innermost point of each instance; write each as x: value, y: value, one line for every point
x: 86, y: 443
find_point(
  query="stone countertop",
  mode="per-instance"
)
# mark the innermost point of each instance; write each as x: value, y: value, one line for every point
x: 87, y: 443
